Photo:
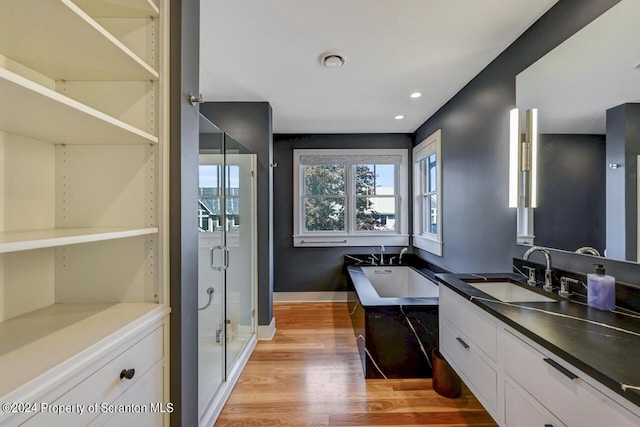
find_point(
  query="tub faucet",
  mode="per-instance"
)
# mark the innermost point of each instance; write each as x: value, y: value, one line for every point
x: 588, y: 250
x: 401, y: 254
x: 548, y: 283
x: 381, y: 254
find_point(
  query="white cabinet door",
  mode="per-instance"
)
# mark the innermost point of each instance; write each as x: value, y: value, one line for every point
x: 522, y: 410
x: 558, y: 386
x: 480, y: 327
x: 479, y: 376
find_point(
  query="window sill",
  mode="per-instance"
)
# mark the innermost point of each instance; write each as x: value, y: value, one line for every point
x: 524, y: 239
x: 429, y: 245
x: 342, y: 240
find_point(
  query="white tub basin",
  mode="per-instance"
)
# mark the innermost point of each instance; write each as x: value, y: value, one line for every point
x: 400, y: 282
x: 510, y: 292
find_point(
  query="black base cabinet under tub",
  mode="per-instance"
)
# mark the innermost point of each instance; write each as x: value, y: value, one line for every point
x: 395, y: 338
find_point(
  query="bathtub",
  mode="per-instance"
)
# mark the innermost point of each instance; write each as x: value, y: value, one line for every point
x: 394, y: 314
x: 400, y: 282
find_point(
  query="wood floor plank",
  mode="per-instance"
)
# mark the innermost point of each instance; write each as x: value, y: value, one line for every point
x: 310, y: 375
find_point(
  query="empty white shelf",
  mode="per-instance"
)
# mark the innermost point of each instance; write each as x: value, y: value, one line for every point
x: 36, y: 342
x: 119, y: 8
x: 14, y: 241
x: 35, y: 111
x: 58, y: 39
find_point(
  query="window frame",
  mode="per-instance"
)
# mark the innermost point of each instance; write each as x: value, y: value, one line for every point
x: 350, y: 236
x: 422, y: 237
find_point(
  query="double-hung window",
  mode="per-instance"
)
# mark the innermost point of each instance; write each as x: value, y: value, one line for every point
x: 427, y: 192
x: 350, y: 197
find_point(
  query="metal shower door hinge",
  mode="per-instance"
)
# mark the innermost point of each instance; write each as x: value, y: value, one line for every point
x: 193, y: 100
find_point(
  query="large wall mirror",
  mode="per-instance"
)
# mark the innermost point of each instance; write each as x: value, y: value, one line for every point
x: 587, y: 92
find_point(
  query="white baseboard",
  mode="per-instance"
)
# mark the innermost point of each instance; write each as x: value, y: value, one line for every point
x: 266, y: 332
x: 328, y: 296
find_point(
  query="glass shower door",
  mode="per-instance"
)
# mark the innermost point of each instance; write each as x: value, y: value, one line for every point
x: 240, y: 192
x: 211, y: 275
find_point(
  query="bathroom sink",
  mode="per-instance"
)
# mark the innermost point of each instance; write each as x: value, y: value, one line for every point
x: 510, y: 292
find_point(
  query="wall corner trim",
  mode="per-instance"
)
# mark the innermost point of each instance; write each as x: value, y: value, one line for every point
x: 267, y: 332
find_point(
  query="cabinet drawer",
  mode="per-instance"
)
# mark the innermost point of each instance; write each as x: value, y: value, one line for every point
x: 479, y: 327
x: 555, y: 385
x: 146, y: 393
x: 105, y: 385
x: 519, y: 410
x: 476, y: 373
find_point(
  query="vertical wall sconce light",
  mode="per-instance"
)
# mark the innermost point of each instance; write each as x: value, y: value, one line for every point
x: 523, y: 160
x: 532, y: 136
x: 514, y: 156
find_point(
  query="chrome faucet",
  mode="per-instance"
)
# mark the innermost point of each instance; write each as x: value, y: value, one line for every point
x: 401, y: 254
x: 382, y: 254
x: 548, y: 283
x: 588, y: 250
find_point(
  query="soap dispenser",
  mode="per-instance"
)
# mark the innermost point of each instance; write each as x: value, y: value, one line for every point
x: 601, y: 289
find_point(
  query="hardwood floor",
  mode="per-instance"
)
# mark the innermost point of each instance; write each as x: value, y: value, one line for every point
x: 310, y: 375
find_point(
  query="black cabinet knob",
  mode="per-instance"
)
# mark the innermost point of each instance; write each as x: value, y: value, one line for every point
x: 127, y: 373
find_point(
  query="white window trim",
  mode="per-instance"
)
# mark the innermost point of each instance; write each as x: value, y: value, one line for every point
x: 400, y: 237
x: 421, y: 238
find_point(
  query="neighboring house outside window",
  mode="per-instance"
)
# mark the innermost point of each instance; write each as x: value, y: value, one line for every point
x: 350, y: 197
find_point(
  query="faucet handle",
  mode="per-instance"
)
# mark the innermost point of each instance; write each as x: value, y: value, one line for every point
x: 532, y: 276
x: 564, y: 290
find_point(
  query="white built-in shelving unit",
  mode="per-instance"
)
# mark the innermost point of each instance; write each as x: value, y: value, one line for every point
x: 14, y: 241
x: 47, y: 109
x: 83, y: 86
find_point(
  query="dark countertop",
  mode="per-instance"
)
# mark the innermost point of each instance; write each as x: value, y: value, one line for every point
x: 610, y: 356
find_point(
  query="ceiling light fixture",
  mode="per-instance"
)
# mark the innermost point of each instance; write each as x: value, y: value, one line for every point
x: 399, y: 117
x: 416, y: 95
x: 332, y: 59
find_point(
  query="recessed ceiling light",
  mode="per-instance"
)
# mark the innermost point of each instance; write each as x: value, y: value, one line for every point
x: 416, y: 95
x: 332, y: 59
x: 399, y: 117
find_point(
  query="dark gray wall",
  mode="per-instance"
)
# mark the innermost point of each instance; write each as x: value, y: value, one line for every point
x: 250, y: 124
x: 313, y: 269
x: 478, y: 228
x: 571, y: 192
x: 183, y: 174
x: 623, y: 148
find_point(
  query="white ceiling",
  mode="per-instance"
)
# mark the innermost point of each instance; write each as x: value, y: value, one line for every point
x: 268, y: 50
x: 596, y: 69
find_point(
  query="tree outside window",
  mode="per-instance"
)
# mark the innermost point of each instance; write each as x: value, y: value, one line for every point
x: 326, y: 197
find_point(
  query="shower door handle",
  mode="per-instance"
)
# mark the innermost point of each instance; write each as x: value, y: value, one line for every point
x: 226, y: 258
x: 225, y: 254
x: 213, y: 250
